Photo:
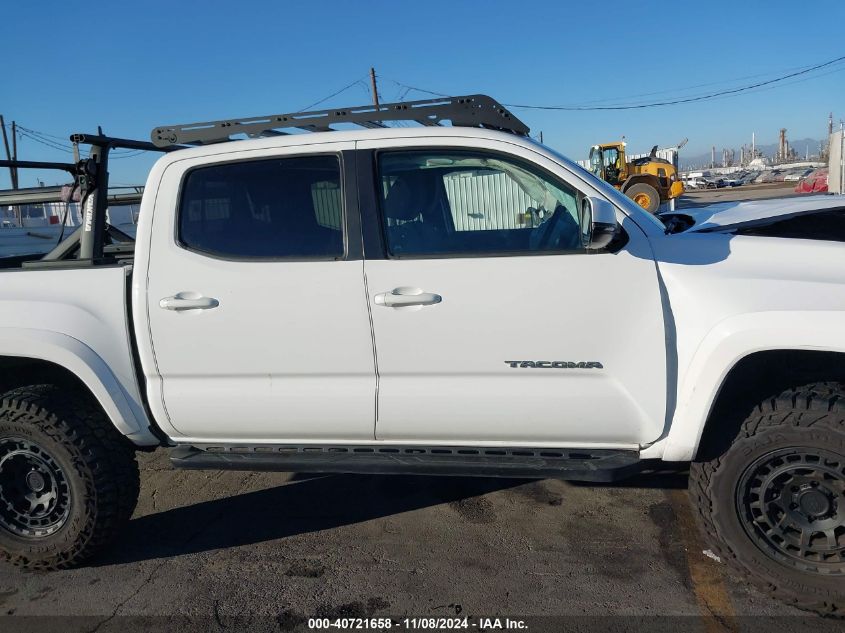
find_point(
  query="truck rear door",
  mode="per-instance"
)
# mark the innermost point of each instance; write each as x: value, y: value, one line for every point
x: 255, y: 297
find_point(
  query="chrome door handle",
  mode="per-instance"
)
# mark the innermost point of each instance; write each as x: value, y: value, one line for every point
x: 403, y: 297
x: 177, y: 302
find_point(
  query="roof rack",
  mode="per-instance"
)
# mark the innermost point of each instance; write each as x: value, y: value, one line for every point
x: 467, y: 111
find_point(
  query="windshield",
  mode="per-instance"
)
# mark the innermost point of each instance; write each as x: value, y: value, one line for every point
x: 613, y: 194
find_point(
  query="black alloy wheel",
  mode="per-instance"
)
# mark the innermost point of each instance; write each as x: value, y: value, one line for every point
x: 35, y: 497
x: 792, y: 505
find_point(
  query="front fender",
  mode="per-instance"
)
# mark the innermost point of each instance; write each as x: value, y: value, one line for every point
x: 87, y: 366
x: 724, y: 346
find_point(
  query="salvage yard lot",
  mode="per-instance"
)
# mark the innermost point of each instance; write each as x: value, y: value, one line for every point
x: 695, y: 198
x: 218, y: 547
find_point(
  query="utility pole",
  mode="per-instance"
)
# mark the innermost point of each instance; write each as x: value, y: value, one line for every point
x: 13, y: 172
x: 15, y: 152
x: 8, y: 152
x: 841, y: 156
x: 375, y: 86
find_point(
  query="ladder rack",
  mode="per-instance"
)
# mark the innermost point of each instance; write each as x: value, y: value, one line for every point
x: 467, y: 111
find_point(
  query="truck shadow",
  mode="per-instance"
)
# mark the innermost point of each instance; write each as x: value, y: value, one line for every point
x: 305, y: 505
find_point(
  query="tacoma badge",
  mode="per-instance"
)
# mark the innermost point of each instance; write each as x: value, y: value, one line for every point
x: 555, y: 364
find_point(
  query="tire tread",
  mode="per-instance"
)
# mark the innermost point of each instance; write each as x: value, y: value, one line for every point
x: 108, y: 466
x: 817, y: 404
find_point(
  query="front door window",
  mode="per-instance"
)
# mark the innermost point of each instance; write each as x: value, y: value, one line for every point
x: 447, y: 203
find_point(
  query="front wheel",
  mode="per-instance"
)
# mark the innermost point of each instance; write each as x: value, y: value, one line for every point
x: 773, y: 504
x: 644, y: 195
x: 68, y: 479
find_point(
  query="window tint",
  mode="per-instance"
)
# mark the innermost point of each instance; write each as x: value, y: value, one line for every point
x: 289, y: 207
x: 468, y: 203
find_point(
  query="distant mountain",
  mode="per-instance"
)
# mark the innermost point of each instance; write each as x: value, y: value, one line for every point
x: 770, y: 149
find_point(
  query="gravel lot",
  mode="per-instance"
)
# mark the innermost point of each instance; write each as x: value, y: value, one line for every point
x: 265, y: 551
x: 695, y: 198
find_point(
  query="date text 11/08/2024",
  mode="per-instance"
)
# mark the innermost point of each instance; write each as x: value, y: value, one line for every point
x: 425, y: 623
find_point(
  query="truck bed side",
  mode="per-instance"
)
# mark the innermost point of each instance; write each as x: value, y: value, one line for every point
x: 76, y: 318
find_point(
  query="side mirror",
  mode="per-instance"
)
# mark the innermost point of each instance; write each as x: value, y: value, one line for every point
x: 598, y: 223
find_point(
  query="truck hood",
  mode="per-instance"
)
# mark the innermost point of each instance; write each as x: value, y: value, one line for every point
x: 723, y: 215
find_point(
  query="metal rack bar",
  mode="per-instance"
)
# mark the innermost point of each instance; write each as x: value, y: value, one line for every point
x: 37, y: 164
x: 39, y: 195
x: 467, y: 111
x: 91, y: 176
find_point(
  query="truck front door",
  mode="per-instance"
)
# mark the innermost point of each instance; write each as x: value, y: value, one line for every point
x: 492, y: 323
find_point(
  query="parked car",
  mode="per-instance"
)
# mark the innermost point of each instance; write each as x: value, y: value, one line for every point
x: 750, y: 177
x: 814, y: 182
x: 797, y: 175
x: 442, y: 300
x: 696, y: 182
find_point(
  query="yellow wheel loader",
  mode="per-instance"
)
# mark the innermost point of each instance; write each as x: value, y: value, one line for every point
x: 648, y: 181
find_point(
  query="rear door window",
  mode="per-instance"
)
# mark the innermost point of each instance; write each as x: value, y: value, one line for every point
x: 286, y: 208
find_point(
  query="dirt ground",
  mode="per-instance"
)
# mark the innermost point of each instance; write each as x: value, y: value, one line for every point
x: 696, y: 198
x: 264, y: 551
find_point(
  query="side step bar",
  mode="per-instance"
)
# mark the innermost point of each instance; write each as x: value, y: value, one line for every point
x: 536, y: 463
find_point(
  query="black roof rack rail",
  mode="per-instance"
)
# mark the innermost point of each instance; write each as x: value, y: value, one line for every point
x: 467, y: 111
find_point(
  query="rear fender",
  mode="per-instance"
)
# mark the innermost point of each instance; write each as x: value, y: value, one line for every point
x: 80, y: 360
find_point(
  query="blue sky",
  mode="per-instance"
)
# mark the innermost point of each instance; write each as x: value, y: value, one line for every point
x: 131, y: 66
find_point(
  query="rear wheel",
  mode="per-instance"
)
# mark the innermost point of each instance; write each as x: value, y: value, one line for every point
x: 644, y: 195
x: 773, y: 504
x: 68, y: 479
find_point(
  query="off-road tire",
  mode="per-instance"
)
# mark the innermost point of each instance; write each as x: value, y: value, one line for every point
x: 651, y: 192
x: 807, y: 418
x: 96, y: 461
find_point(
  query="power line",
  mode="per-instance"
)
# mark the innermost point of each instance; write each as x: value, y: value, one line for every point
x: 409, y: 88
x: 49, y: 144
x: 684, y: 100
x: 334, y: 94
x: 789, y: 83
x: 693, y: 87
x: 130, y: 154
x: 687, y: 99
x: 727, y: 94
x: 53, y: 136
x: 46, y: 139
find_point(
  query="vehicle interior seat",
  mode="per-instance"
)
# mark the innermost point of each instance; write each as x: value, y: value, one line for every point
x: 412, y: 210
x: 290, y: 226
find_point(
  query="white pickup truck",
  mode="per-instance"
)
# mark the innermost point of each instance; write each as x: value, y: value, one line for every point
x: 441, y: 299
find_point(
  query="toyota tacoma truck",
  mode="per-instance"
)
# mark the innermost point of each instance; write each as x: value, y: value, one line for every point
x: 440, y: 299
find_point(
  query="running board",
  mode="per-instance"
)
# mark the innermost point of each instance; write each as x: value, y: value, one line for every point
x: 536, y: 463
